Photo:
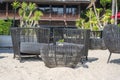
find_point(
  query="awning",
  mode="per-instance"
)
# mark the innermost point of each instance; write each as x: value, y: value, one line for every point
x: 118, y: 15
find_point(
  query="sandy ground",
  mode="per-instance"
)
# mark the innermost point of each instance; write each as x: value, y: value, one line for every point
x: 96, y: 68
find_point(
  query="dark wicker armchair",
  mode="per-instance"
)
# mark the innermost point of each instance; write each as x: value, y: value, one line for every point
x: 29, y: 41
x: 59, y: 35
x: 85, y: 33
x: 67, y: 48
x: 111, y: 35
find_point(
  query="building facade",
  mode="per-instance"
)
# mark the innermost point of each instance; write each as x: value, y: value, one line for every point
x: 56, y: 12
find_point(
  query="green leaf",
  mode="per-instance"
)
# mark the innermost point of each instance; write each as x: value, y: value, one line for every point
x: 15, y: 4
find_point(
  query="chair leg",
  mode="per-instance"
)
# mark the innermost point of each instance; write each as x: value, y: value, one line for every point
x: 19, y: 57
x: 14, y: 56
x: 86, y: 58
x: 82, y: 61
x: 109, y: 57
x: 20, y: 60
x: 37, y: 56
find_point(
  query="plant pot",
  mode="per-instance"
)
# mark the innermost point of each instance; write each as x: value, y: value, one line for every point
x: 5, y: 41
x: 97, y: 43
x: 96, y: 40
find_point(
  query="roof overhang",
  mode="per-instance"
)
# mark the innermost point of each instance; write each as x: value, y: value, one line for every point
x: 57, y: 1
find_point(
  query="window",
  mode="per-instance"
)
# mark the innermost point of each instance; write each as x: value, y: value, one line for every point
x: 2, y: 6
x: 44, y: 8
x: 72, y: 10
x: 58, y: 10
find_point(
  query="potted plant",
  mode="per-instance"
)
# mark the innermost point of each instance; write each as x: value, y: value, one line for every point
x: 29, y: 14
x: 90, y: 21
x: 5, y: 38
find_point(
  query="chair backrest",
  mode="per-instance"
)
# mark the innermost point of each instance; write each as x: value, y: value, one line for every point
x: 43, y: 35
x: 78, y: 36
x: 74, y: 36
x: 111, y: 36
x: 40, y: 35
x: 29, y: 36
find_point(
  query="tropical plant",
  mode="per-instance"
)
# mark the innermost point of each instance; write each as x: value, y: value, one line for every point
x: 105, y: 19
x: 15, y: 5
x: 88, y: 23
x: 96, y: 19
x: 104, y: 3
x: 92, y: 4
x: 80, y: 22
x: 29, y: 15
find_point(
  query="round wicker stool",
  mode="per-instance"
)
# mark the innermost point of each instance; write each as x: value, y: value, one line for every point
x: 62, y: 54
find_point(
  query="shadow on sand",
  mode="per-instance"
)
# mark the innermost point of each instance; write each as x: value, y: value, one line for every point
x: 6, y: 50
x: 2, y: 57
x: 90, y: 60
x: 29, y: 59
x: 116, y: 61
x: 24, y: 59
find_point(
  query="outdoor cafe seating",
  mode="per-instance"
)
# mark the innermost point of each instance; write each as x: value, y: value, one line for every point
x: 66, y: 48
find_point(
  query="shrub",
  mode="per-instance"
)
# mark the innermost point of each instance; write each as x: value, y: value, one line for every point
x: 5, y: 27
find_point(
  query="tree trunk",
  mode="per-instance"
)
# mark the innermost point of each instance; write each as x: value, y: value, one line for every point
x: 116, y: 8
x: 113, y: 7
x: 100, y: 26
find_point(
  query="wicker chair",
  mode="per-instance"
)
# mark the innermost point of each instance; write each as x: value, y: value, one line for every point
x: 67, y: 48
x: 58, y: 33
x: 111, y: 36
x: 85, y: 33
x: 29, y: 41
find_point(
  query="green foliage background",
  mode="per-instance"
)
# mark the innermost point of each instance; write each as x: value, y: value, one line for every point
x: 5, y: 27
x: 89, y: 20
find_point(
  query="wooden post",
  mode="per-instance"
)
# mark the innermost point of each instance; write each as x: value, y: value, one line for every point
x: 7, y: 10
x: 64, y: 11
x: 79, y: 9
x: 50, y: 16
x: 65, y: 15
x: 50, y: 23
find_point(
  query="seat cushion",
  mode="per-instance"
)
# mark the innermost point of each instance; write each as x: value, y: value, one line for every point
x: 68, y: 44
x: 31, y: 47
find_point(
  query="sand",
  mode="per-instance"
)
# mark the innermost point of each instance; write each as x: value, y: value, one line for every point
x: 96, y: 68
